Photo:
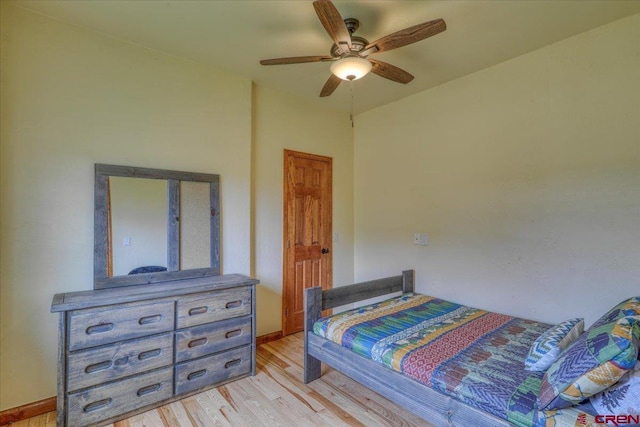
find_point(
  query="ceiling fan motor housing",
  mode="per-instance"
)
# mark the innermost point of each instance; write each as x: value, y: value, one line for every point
x: 357, y: 44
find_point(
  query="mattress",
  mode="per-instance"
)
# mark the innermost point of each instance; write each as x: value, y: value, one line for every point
x: 473, y: 355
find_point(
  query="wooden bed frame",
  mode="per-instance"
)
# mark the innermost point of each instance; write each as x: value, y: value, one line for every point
x: 435, y: 407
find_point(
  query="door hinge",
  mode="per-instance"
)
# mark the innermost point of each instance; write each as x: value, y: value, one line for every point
x: 286, y: 312
x: 288, y: 244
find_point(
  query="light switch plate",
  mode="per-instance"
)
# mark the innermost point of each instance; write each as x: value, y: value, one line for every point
x: 421, y: 239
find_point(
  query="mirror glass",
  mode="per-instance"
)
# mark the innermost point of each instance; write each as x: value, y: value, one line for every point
x: 154, y: 225
x: 138, y: 214
x: 195, y: 248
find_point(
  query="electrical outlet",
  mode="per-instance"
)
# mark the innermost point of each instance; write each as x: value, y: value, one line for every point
x: 416, y: 238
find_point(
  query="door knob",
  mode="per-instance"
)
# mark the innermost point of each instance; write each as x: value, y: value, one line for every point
x: 325, y: 250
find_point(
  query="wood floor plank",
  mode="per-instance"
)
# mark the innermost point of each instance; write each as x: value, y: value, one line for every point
x: 223, y: 407
x: 197, y: 414
x: 285, y: 386
x: 275, y: 396
x: 174, y: 414
x: 264, y: 410
x: 371, y: 400
x: 340, y: 404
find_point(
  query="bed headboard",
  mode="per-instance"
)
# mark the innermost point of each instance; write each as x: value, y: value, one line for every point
x: 316, y: 300
x: 343, y: 295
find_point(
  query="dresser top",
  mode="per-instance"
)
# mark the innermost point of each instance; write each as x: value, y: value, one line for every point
x: 96, y: 298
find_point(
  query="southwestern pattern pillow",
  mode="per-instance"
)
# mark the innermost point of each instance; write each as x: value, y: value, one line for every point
x: 596, y: 360
x: 547, y: 348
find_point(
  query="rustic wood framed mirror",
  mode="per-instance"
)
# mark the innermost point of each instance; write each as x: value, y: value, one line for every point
x: 154, y: 225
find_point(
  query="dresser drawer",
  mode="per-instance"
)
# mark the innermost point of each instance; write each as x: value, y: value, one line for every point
x: 103, y: 364
x: 101, y: 403
x: 89, y: 328
x: 210, y: 370
x: 198, y: 341
x: 213, y: 306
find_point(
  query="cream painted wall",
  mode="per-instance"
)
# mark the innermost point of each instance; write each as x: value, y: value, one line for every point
x: 526, y: 177
x: 281, y: 122
x: 71, y: 98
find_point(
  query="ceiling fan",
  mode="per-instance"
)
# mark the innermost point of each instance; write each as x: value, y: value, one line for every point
x: 350, y: 54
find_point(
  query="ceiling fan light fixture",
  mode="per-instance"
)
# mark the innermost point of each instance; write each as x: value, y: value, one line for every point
x: 351, y: 68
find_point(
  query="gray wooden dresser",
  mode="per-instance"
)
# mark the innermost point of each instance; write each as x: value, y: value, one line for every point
x: 123, y: 351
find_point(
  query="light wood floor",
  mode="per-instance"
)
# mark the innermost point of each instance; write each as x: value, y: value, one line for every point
x: 275, y: 396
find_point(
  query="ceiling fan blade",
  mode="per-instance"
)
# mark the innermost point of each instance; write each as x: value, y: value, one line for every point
x: 295, y: 60
x: 334, y: 24
x: 407, y: 36
x: 330, y: 85
x: 390, y: 72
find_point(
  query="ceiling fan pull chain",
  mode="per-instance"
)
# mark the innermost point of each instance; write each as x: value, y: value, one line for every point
x: 351, y: 93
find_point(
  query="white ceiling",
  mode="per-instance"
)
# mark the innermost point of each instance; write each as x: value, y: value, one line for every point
x: 235, y: 35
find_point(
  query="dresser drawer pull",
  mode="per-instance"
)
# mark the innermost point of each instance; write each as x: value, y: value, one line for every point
x: 232, y: 363
x: 149, y: 354
x: 198, y: 310
x: 99, y: 404
x: 98, y: 367
x: 121, y: 361
x: 233, y: 304
x: 199, y: 341
x: 98, y: 329
x: 150, y: 319
x: 196, y: 374
x: 149, y: 389
x: 234, y: 333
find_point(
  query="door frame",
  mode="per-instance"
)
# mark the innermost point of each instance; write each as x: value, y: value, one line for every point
x: 327, y: 231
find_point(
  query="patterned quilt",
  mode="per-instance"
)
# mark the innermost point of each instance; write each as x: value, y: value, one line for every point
x: 473, y: 355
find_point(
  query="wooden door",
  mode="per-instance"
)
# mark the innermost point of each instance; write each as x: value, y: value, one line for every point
x: 307, y: 233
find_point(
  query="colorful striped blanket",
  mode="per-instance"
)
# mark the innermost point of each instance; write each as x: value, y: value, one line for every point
x: 473, y: 355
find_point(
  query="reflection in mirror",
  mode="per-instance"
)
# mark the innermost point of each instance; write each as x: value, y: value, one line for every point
x: 177, y: 225
x: 195, y: 221
x: 138, y: 218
